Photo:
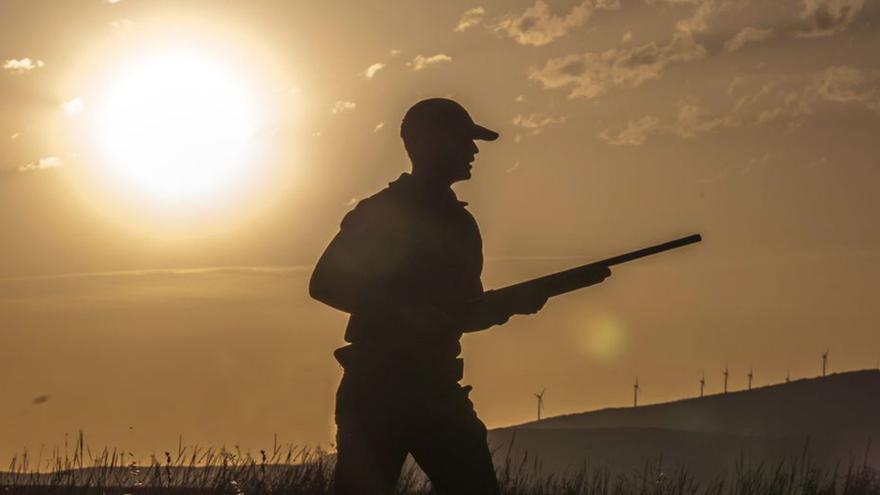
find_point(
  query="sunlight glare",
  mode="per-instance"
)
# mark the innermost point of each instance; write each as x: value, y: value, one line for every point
x: 177, y: 127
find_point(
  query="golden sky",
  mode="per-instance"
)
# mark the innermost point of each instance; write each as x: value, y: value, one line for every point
x: 156, y: 287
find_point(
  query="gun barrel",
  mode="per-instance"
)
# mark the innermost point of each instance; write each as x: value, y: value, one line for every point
x: 659, y: 248
x: 582, y: 276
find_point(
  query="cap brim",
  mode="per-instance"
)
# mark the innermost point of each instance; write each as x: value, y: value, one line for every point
x: 484, y: 134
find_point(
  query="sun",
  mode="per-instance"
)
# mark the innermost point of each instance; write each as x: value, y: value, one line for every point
x: 177, y: 127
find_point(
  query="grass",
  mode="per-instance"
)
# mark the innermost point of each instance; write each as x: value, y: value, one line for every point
x: 292, y: 470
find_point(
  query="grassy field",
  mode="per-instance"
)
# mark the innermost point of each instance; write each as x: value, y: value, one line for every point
x: 291, y: 470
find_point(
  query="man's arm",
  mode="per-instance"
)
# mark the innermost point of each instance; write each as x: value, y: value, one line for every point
x: 349, y: 277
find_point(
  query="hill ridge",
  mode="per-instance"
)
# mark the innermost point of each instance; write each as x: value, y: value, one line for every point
x: 844, y: 401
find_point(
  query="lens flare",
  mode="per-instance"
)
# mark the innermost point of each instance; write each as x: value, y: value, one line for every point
x: 603, y: 337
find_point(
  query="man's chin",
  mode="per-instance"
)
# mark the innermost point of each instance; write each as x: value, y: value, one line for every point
x: 462, y: 176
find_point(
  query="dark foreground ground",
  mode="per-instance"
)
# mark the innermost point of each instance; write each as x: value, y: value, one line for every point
x: 309, y: 473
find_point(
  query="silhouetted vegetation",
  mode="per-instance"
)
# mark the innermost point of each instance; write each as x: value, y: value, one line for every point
x: 291, y: 470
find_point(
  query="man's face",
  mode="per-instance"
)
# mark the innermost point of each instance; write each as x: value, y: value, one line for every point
x: 455, y: 152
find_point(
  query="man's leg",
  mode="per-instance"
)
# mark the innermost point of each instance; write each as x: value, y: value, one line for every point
x: 451, y: 448
x: 369, y: 450
x: 368, y: 462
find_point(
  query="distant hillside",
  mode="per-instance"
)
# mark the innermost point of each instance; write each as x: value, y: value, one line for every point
x: 839, y: 413
x: 838, y: 403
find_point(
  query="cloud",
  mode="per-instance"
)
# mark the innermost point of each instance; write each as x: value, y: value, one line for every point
x: 791, y: 99
x: 591, y: 75
x: 14, y: 136
x: 699, y: 20
x: 22, y: 65
x: 73, y: 107
x: 342, y: 106
x: 41, y: 164
x: 747, y: 35
x: 371, y: 71
x: 844, y: 84
x: 470, y: 18
x: 538, y: 26
x: 692, y: 121
x: 535, y: 123
x: 379, y: 127
x: 420, y: 62
x: 787, y: 99
x: 121, y: 23
x: 634, y: 133
x: 828, y: 17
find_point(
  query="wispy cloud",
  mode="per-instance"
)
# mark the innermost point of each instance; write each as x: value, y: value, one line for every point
x: 747, y: 35
x: 470, y: 18
x: 592, y: 74
x: 121, y: 23
x: 693, y: 120
x: 538, y: 26
x: 370, y: 72
x: 22, y: 65
x: 379, y: 127
x: 827, y: 17
x: 73, y: 107
x: 420, y: 62
x: 634, y: 133
x: 41, y: 164
x: 844, y: 84
x: 786, y: 100
x: 174, y: 272
x: 535, y: 123
x: 342, y: 106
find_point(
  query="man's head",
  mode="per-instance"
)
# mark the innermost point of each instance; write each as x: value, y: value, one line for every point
x: 439, y: 137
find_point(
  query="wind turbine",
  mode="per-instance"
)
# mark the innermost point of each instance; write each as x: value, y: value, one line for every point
x: 787, y: 375
x: 540, y: 398
x: 726, y: 374
x: 824, y: 361
x: 636, y: 392
x: 702, y: 383
x: 750, y: 375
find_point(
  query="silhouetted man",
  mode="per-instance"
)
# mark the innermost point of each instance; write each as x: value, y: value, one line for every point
x: 404, y: 264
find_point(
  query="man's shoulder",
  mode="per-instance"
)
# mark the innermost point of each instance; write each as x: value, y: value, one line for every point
x: 381, y: 207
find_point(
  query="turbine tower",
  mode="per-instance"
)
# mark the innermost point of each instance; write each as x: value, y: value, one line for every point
x: 636, y: 392
x: 702, y: 383
x: 726, y: 374
x: 750, y: 375
x: 540, y: 398
x: 824, y: 361
x: 787, y: 376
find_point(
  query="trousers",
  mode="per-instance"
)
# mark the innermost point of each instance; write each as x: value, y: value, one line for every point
x: 379, y: 422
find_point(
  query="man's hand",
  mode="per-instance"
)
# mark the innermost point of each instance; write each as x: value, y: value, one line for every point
x: 500, y: 306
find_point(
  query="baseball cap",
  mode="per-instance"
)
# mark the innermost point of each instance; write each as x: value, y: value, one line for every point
x: 439, y: 115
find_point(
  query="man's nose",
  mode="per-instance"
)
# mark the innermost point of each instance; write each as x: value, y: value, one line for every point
x: 474, y: 147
